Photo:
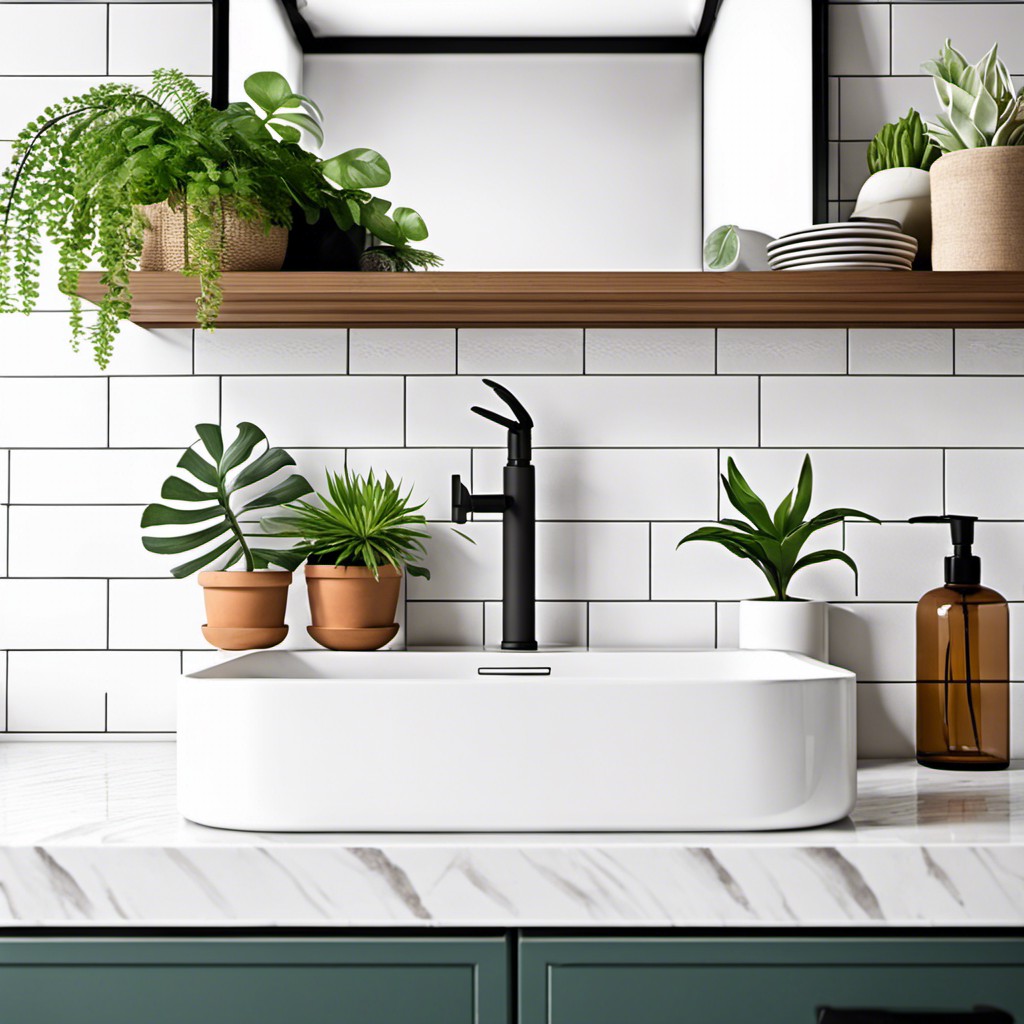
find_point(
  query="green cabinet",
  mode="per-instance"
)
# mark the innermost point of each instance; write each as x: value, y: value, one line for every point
x: 762, y: 980
x: 254, y: 981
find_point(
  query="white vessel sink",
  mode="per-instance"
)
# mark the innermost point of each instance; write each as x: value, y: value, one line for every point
x: 501, y: 742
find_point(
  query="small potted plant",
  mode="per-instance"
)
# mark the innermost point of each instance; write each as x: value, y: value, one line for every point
x: 976, y: 185
x: 357, y: 541
x: 244, y: 609
x: 899, y: 187
x: 773, y: 543
x: 163, y: 180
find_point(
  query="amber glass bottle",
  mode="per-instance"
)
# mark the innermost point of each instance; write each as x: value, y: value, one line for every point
x: 963, y: 664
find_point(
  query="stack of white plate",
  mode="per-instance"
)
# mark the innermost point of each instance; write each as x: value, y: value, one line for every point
x: 857, y: 245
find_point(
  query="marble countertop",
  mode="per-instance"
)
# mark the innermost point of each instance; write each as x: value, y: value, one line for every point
x: 90, y: 835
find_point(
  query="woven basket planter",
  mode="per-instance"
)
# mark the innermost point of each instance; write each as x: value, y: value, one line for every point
x: 978, y: 209
x: 244, y: 244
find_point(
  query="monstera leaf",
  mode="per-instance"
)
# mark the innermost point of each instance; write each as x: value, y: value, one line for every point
x: 211, y: 501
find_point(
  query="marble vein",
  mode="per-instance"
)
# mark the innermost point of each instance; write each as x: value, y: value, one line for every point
x: 90, y: 835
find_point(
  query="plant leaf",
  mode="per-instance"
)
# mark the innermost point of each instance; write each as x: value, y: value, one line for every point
x: 187, y: 542
x: 802, y: 500
x: 249, y: 435
x: 212, y: 438
x: 269, y: 90
x: 721, y: 247
x: 164, y: 515
x: 187, y: 568
x: 412, y: 224
x: 176, y: 489
x: 288, y: 490
x: 286, y: 558
x: 261, y: 467
x: 825, y: 555
x: 194, y: 463
x: 357, y: 168
x: 745, y: 501
x: 303, y: 121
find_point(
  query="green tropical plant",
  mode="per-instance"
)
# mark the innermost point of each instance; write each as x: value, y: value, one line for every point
x: 221, y: 477
x: 81, y: 170
x: 980, y: 106
x: 360, y: 521
x: 722, y: 247
x: 904, y: 143
x: 774, y: 542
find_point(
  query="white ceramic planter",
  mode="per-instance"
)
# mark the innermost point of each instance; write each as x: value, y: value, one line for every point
x: 753, y: 251
x: 902, y: 194
x: 798, y: 626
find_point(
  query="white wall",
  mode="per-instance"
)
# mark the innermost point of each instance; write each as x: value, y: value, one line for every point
x: 632, y: 427
x: 531, y: 162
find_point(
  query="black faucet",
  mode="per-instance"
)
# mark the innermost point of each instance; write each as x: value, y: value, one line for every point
x: 519, y: 523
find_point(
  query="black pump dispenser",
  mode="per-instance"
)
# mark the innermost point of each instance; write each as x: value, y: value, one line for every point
x: 962, y: 567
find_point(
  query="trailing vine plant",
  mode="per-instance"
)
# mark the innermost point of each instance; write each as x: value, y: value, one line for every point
x: 81, y: 170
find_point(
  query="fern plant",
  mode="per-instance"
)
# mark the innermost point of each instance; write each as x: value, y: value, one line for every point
x: 80, y: 171
x: 360, y: 521
x: 220, y: 477
x: 774, y: 542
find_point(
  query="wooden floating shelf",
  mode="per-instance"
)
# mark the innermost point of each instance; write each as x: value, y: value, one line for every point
x: 600, y: 299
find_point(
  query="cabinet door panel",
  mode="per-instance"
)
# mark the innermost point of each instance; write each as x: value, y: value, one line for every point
x: 761, y: 982
x: 210, y: 982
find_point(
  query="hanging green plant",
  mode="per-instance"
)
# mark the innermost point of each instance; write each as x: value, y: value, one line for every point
x: 83, y: 170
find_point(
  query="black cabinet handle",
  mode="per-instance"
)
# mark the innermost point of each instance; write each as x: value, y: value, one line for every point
x: 979, y: 1015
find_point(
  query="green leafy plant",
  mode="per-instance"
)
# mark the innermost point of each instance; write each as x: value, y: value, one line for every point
x: 722, y: 247
x: 360, y: 521
x: 980, y: 106
x: 220, y: 477
x: 904, y: 143
x: 774, y: 542
x: 81, y: 170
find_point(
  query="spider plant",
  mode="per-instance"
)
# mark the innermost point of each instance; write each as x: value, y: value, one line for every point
x: 774, y: 542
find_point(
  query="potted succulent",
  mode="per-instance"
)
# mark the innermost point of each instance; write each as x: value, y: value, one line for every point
x: 163, y: 180
x: 244, y: 609
x: 357, y: 541
x: 976, y: 185
x: 899, y: 187
x: 773, y: 543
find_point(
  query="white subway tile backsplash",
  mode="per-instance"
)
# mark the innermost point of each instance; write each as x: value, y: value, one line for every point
x: 161, y: 412
x: 592, y: 561
x: 897, y: 563
x: 278, y: 351
x: 886, y: 720
x: 460, y: 570
x: 614, y: 483
x: 621, y: 350
x: 853, y: 170
x: 859, y: 40
x: 38, y: 345
x: 590, y: 411
x: 559, y: 624
x: 100, y: 476
x: 888, y: 484
x: 318, y: 411
x: 868, y: 103
x: 901, y: 351
x: 110, y: 542
x: 445, y: 623
x: 520, y: 350
x: 144, y: 36
x: 888, y: 412
x: 989, y: 351
x: 428, y: 471
x: 652, y: 625
x: 781, y: 350
x: 53, y: 39
x: 702, y: 571
x: 156, y: 614
x: 919, y: 30
x: 52, y: 614
x: 36, y: 412
x: 985, y: 483
x: 402, y: 350
x: 92, y: 691
x: 876, y: 641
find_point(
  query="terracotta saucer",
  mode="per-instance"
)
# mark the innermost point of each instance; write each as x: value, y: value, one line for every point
x: 244, y: 638
x: 370, y: 638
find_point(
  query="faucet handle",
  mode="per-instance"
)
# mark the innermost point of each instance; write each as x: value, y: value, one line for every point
x: 462, y: 501
x: 523, y: 418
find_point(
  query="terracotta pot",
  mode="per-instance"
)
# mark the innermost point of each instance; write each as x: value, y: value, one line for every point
x: 352, y: 611
x: 245, y: 610
x: 977, y: 213
x: 243, y: 244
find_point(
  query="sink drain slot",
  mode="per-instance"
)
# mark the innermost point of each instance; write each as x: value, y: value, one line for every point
x: 525, y: 670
